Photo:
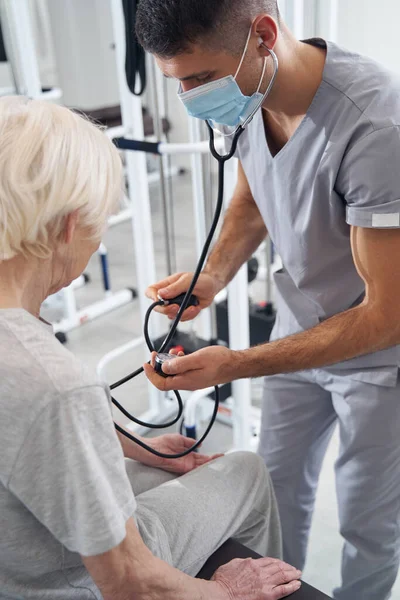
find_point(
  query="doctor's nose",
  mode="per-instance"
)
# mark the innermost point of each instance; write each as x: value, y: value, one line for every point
x: 186, y: 86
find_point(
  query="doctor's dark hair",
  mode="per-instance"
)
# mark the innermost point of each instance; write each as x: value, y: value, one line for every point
x: 168, y: 28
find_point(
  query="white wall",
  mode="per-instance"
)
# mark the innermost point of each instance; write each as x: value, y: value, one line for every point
x: 83, y: 41
x: 371, y: 28
x: 368, y: 27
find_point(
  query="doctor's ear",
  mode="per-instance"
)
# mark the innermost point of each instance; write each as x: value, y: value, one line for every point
x: 267, y: 31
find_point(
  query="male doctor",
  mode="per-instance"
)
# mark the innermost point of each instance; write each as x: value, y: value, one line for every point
x: 320, y: 173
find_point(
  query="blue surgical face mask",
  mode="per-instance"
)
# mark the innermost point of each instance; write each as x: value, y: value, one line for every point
x: 222, y: 101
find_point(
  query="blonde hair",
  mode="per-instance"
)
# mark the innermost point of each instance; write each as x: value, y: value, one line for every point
x: 52, y: 163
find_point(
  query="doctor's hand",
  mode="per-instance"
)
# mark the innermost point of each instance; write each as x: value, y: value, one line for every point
x: 208, y: 367
x: 206, y: 289
x: 262, y: 579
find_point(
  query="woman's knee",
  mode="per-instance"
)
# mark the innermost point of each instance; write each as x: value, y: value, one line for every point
x: 249, y: 465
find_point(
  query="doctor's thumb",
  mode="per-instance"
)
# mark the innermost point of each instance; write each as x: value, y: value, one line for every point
x: 173, y: 290
x: 177, y: 366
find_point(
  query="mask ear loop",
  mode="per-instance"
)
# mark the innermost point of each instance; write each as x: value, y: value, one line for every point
x: 227, y: 135
x: 269, y: 88
x: 244, y: 52
x: 262, y: 75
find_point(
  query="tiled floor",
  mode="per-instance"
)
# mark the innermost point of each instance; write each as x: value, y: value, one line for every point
x: 95, y: 339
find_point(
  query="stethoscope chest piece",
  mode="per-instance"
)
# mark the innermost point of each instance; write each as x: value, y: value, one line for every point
x: 160, y: 360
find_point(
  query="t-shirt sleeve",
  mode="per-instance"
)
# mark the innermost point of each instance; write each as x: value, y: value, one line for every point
x: 70, y: 473
x: 369, y: 180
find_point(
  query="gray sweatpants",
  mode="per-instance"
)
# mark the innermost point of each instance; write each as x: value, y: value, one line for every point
x: 300, y: 412
x: 183, y: 520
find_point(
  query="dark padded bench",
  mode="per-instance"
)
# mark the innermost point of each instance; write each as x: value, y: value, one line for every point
x: 232, y: 550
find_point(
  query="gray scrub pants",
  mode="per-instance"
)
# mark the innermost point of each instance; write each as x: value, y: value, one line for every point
x: 184, y: 520
x: 299, y: 415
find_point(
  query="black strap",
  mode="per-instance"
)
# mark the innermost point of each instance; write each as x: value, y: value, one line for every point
x: 135, y: 64
x: 137, y: 145
x: 3, y: 55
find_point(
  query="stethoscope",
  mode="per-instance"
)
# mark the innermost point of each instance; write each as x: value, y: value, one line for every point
x: 188, y: 299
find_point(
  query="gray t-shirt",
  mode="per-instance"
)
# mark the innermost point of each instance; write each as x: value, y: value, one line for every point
x: 340, y: 168
x: 64, y: 491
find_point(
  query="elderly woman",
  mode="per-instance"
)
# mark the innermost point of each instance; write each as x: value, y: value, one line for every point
x: 78, y: 521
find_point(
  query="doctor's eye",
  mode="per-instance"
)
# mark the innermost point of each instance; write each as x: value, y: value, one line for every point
x: 204, y: 78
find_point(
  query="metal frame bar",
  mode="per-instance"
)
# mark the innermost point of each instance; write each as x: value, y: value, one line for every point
x: 327, y: 19
x: 75, y: 318
x: 199, y: 211
x: 333, y: 20
x: 157, y: 99
x: 20, y: 46
x: 21, y: 50
x: 132, y: 120
x: 239, y: 334
x: 298, y: 18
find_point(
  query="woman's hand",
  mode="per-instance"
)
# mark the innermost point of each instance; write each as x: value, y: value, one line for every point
x: 175, y: 444
x: 262, y: 579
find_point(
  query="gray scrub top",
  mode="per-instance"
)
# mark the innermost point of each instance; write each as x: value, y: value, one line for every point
x: 340, y: 168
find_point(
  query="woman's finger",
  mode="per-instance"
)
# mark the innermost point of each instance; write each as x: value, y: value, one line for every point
x: 283, y: 590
